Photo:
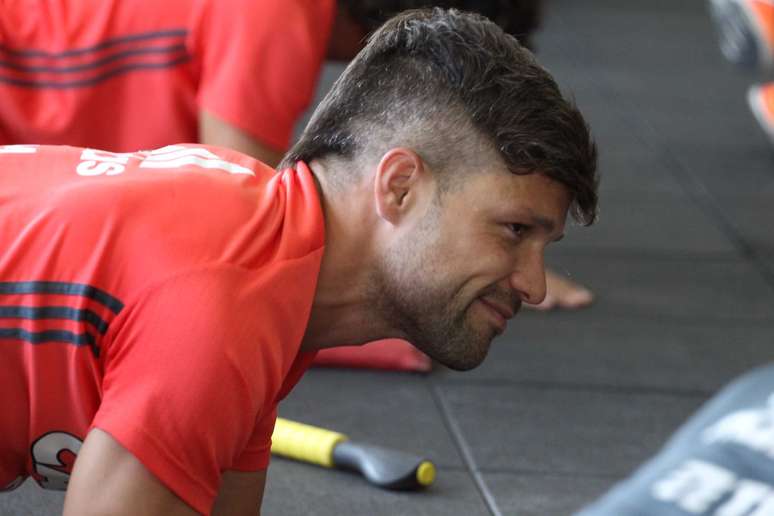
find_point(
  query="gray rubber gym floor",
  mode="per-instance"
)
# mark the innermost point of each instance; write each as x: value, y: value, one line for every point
x: 682, y: 262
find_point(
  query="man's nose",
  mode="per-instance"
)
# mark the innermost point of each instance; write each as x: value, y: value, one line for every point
x: 529, y: 278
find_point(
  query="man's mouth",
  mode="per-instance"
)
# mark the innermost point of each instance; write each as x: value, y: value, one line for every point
x: 500, y: 312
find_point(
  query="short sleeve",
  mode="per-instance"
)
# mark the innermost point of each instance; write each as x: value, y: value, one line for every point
x: 257, y: 453
x: 187, y: 377
x: 260, y: 62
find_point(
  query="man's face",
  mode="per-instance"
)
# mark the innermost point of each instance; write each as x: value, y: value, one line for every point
x: 452, y: 281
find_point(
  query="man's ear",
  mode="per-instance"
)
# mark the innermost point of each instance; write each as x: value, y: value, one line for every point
x: 398, y: 183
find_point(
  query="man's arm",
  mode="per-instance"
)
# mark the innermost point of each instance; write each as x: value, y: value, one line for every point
x: 108, y: 479
x: 240, y: 494
x: 214, y: 131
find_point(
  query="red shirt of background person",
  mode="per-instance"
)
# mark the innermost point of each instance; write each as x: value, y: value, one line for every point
x: 124, y: 76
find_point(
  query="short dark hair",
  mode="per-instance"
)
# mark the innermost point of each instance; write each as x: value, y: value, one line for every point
x: 519, y: 18
x: 434, y: 79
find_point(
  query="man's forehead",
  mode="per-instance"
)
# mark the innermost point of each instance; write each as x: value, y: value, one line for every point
x: 529, y: 186
x: 536, y: 196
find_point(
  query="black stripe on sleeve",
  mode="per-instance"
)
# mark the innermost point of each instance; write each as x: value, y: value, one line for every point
x: 54, y: 312
x: 41, y: 337
x: 169, y: 49
x: 62, y: 288
x: 131, y: 38
x: 80, y: 83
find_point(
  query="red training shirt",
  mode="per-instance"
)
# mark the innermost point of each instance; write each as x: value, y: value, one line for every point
x: 160, y: 296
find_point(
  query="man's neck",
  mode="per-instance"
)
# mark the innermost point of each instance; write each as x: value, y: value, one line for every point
x: 342, y: 313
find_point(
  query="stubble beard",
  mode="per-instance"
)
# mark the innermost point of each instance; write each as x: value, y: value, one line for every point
x: 433, y: 317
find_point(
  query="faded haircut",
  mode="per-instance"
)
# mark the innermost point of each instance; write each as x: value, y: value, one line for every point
x: 451, y: 85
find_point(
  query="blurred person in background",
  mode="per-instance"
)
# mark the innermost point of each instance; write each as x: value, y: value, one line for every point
x: 746, y: 33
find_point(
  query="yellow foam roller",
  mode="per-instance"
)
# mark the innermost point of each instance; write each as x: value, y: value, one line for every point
x: 306, y: 443
x: 390, y: 469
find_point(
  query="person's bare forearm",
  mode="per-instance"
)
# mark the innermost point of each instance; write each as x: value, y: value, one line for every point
x: 214, y: 131
x: 240, y: 494
x: 108, y: 479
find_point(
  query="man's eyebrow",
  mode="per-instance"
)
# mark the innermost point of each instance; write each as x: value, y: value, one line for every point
x: 546, y: 224
x: 543, y: 222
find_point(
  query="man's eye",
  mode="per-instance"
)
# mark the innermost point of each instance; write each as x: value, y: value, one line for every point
x: 518, y: 229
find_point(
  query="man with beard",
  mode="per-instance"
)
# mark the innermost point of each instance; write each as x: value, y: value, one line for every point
x: 144, y: 292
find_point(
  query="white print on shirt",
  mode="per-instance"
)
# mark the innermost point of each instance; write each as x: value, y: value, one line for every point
x: 53, y: 455
x: 753, y: 428
x: 18, y: 149
x: 97, y: 162
x: 696, y: 486
x: 173, y: 156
